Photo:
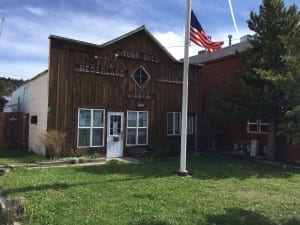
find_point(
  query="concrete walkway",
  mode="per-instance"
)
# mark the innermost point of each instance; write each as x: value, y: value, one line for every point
x: 64, y: 163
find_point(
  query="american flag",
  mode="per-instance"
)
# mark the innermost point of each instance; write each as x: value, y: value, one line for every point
x: 198, y: 36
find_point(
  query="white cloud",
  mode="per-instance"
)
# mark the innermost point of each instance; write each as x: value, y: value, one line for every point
x: 22, y: 69
x: 35, y: 10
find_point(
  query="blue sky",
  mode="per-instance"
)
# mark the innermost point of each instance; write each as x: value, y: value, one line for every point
x: 28, y: 24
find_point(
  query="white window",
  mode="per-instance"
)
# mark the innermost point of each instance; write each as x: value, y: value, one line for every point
x: 257, y: 126
x: 263, y: 126
x: 173, y: 121
x: 137, y: 128
x: 90, y: 128
x: 252, y: 126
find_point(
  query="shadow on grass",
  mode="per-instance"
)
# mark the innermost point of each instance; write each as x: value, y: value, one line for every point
x: 206, y: 167
x: 63, y: 186
x: 151, y: 222
x: 239, y: 216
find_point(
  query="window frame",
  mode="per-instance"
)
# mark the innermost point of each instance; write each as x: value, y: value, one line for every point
x: 141, y: 67
x: 91, y: 127
x: 137, y: 127
x: 33, y: 120
x: 258, y: 124
x: 263, y: 124
x: 249, y: 123
x: 173, y: 122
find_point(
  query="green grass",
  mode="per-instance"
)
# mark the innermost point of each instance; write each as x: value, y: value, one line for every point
x: 222, y: 191
x: 18, y: 156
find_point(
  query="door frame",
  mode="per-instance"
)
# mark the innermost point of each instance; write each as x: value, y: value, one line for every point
x: 108, y: 136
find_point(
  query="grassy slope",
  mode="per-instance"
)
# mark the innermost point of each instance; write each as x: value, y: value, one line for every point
x: 221, y: 191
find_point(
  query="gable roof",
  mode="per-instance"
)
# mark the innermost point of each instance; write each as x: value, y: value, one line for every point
x: 150, y: 35
x: 203, y: 57
x: 141, y: 28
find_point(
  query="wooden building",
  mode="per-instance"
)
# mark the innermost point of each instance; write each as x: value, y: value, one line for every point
x: 114, y: 97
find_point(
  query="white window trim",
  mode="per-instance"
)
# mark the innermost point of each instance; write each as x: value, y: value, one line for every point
x: 90, y: 128
x: 258, y: 123
x: 252, y: 123
x: 136, y: 127
x: 144, y: 84
x: 264, y: 124
x: 173, y: 131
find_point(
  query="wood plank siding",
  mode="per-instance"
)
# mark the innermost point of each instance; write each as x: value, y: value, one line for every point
x: 72, y: 87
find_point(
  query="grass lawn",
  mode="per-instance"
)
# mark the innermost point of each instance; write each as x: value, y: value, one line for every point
x: 18, y: 156
x: 222, y: 191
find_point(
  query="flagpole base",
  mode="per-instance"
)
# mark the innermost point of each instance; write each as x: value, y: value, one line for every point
x: 182, y: 173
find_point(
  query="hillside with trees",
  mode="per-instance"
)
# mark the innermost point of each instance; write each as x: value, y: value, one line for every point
x: 8, y: 85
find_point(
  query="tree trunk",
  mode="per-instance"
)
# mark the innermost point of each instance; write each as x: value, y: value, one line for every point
x: 271, y: 139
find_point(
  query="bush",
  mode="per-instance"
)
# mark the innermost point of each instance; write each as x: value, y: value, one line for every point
x: 53, y: 141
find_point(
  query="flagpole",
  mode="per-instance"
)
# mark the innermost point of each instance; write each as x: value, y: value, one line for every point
x: 185, y: 90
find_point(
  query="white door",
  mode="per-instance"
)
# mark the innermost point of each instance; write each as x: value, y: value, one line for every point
x: 115, y: 134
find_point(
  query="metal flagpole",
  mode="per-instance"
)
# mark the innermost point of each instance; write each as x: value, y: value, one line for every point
x: 185, y: 90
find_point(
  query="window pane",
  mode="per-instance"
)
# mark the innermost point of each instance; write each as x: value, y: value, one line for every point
x: 98, y: 118
x: 264, y: 128
x: 132, y: 119
x: 143, y: 119
x: 253, y: 128
x: 142, y: 136
x: 84, y: 118
x: 140, y: 76
x: 115, y: 125
x: 84, y: 137
x: 97, y: 137
x: 177, y: 123
x: 170, y: 123
x: 143, y: 77
x: 131, y: 136
x: 190, y: 125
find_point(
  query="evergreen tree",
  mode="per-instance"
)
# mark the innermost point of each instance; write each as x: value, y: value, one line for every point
x: 271, y: 79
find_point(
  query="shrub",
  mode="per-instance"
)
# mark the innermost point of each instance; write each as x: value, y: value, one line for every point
x: 53, y: 141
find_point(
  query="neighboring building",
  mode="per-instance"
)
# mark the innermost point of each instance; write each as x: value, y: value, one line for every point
x: 3, y: 101
x: 218, y: 68
x: 114, y: 97
x: 32, y: 98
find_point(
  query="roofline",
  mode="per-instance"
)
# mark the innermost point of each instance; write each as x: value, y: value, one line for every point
x: 149, y: 34
x: 118, y: 39
x: 38, y: 75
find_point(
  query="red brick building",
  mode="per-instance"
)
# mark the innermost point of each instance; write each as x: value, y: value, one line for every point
x: 219, y: 67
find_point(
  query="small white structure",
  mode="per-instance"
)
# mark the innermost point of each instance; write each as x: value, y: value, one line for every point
x: 32, y: 98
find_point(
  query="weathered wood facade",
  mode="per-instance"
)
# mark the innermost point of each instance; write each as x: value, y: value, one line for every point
x: 130, y: 74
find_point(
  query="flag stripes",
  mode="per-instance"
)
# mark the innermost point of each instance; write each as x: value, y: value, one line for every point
x: 198, y: 36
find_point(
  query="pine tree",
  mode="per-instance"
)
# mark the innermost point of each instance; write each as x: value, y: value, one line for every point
x: 271, y: 68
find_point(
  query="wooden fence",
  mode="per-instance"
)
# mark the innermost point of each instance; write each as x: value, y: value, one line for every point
x: 14, y: 128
